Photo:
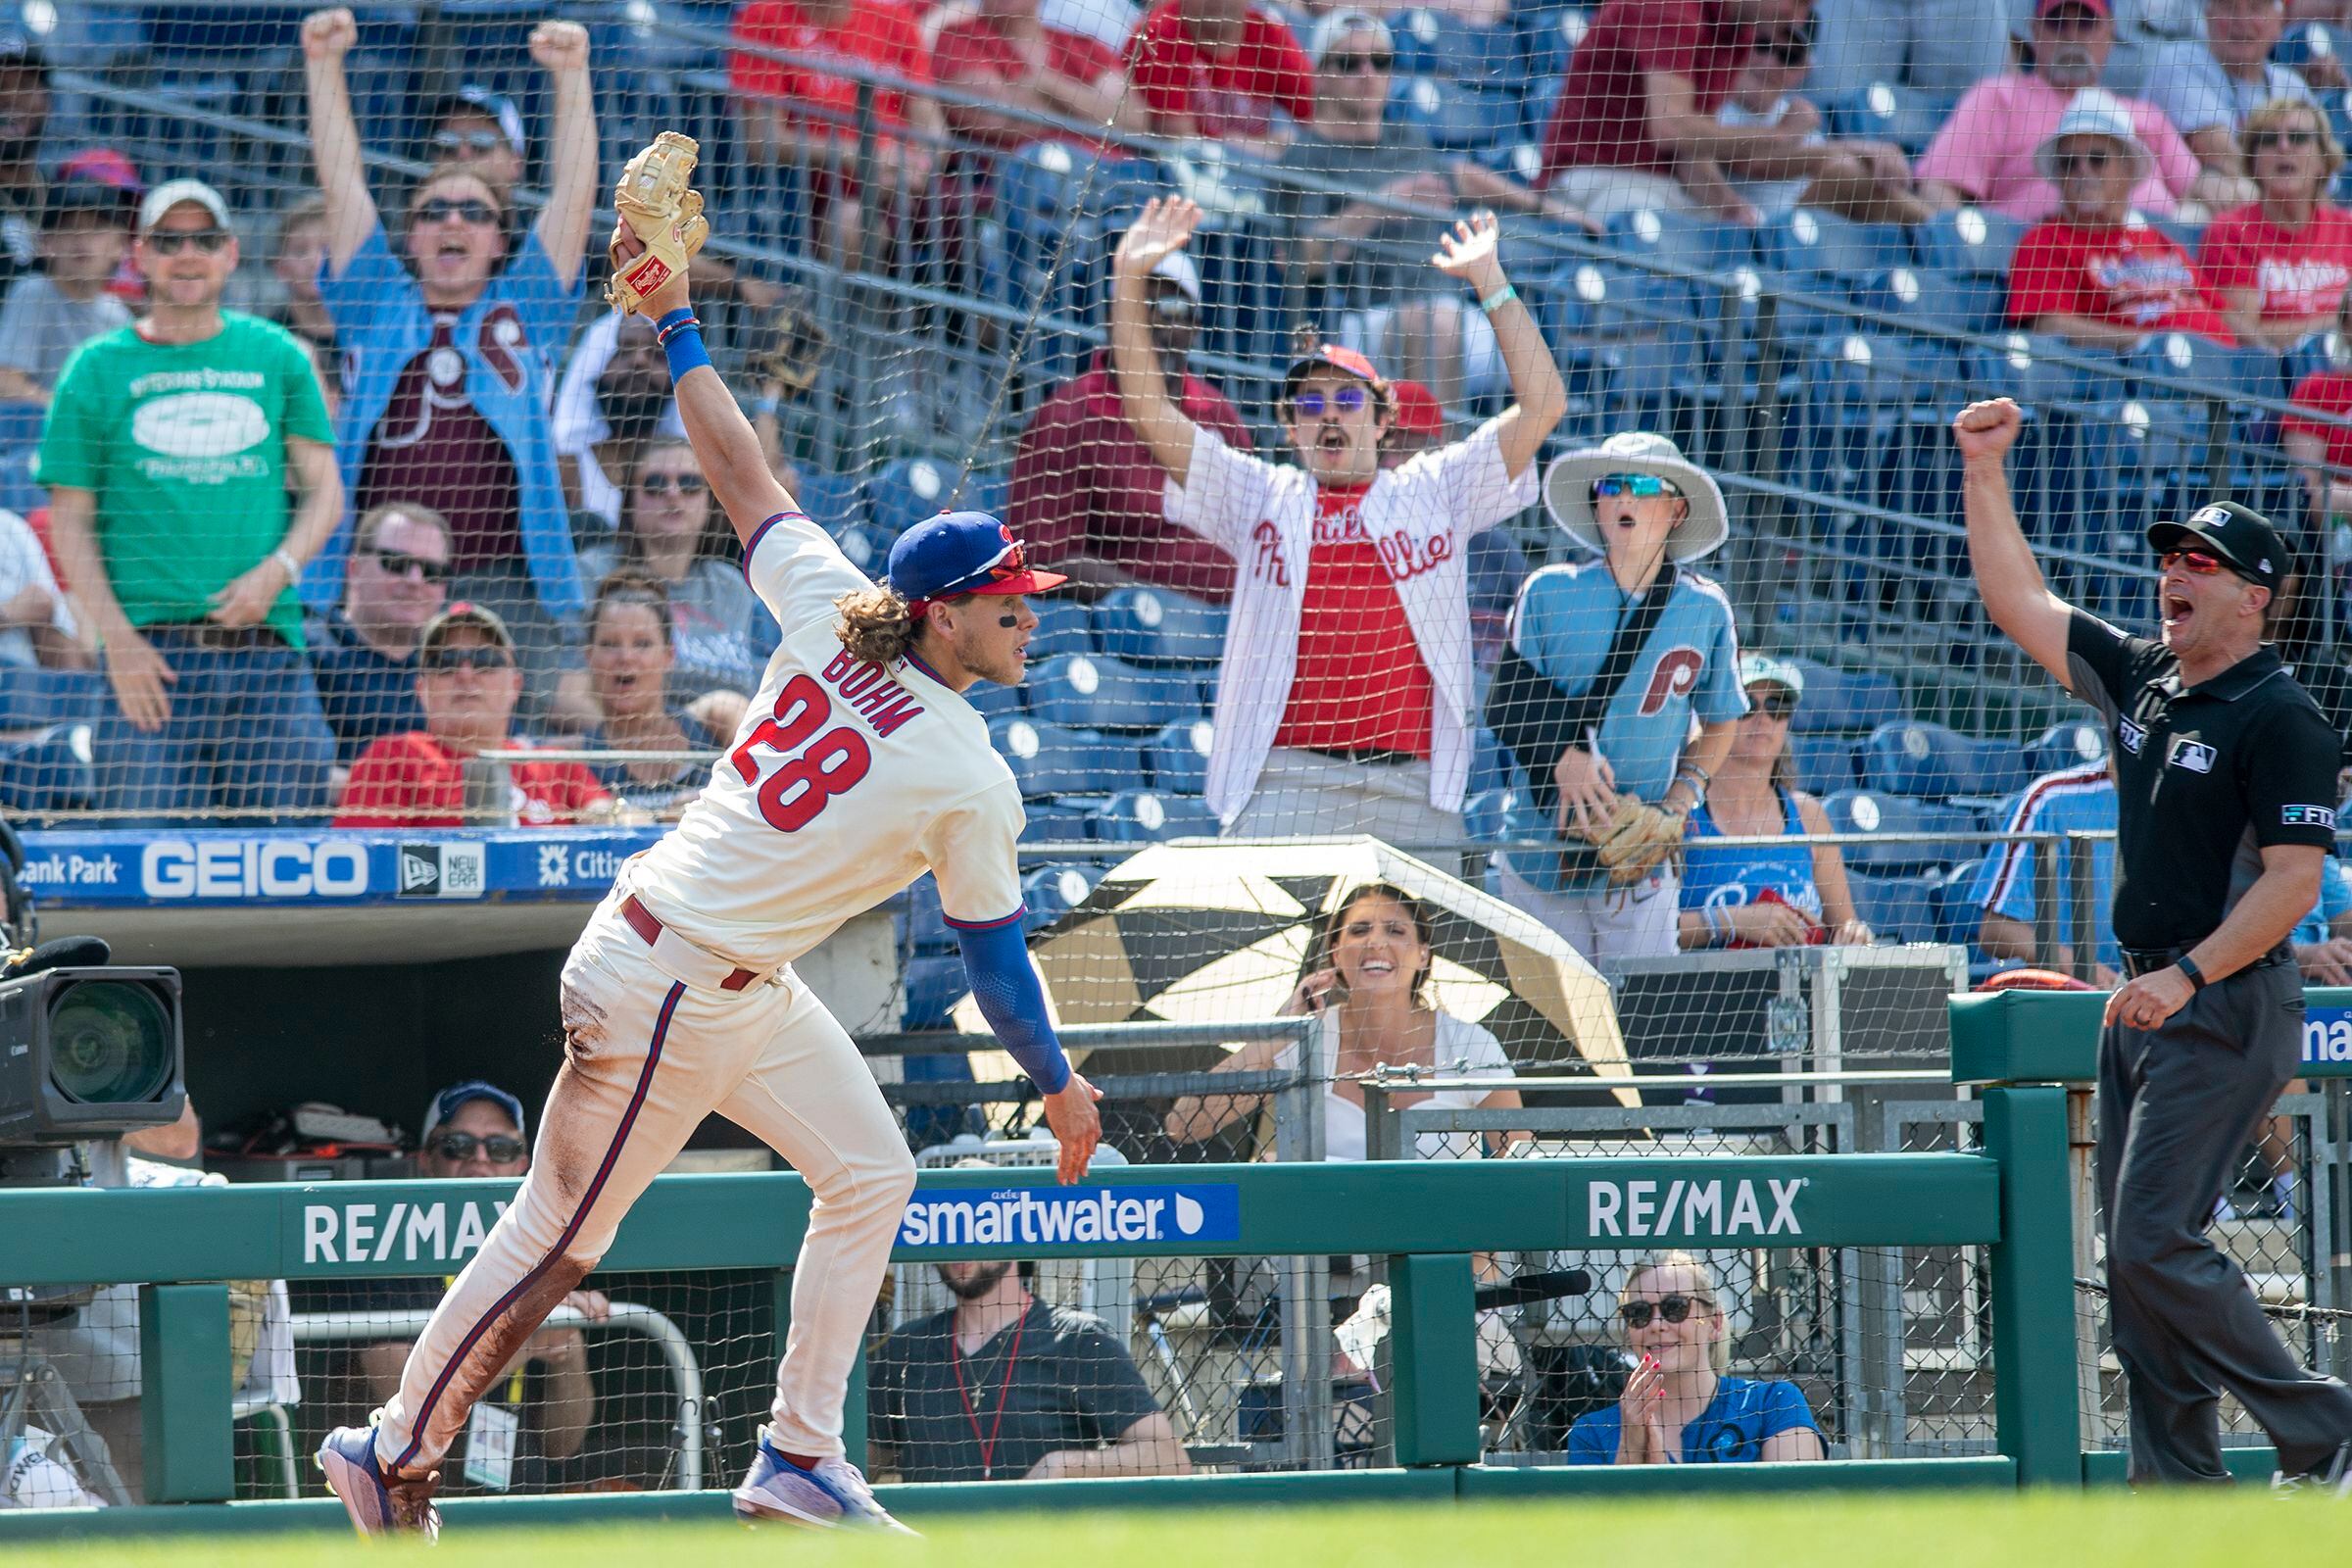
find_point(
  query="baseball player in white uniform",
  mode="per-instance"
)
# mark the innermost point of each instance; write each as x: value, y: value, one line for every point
x: 858, y: 767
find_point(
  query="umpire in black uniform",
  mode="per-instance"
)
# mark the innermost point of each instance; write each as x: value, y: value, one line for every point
x: 2225, y: 812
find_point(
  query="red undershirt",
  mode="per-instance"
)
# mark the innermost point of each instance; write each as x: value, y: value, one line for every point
x: 1361, y: 683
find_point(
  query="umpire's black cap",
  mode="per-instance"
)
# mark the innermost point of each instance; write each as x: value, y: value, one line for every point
x: 2241, y: 536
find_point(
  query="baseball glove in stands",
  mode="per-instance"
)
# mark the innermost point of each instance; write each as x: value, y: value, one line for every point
x: 1638, y: 838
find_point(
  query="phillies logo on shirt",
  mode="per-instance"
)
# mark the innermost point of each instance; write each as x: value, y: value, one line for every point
x: 1398, y: 554
x: 2145, y: 289
x: 2300, y: 286
x: 1270, y: 564
x: 1675, y: 674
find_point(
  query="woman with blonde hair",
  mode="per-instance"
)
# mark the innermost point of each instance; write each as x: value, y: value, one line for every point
x: 2278, y: 265
x: 1680, y: 1405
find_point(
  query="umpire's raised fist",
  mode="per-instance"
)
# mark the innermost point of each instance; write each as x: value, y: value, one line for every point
x: 1987, y: 429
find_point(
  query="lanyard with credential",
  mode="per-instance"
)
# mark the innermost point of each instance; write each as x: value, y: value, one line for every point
x: 988, y: 1443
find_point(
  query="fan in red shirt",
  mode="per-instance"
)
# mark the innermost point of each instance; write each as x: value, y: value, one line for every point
x: 2320, y: 440
x: 1218, y: 68
x: 467, y: 684
x: 1005, y: 54
x: 2088, y: 274
x: 2278, y: 265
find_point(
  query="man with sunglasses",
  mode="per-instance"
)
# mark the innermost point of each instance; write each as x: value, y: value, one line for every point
x: 467, y: 683
x: 2226, y: 797
x: 2208, y: 88
x: 364, y: 651
x: 1868, y: 182
x: 1087, y: 492
x: 1343, y: 702
x: 481, y: 131
x: 518, y: 1442
x: 167, y: 453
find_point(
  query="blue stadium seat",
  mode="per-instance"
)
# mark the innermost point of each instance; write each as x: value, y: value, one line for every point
x: 2070, y: 743
x: 1826, y: 245
x: 1063, y: 626
x: 1997, y: 768
x: 1855, y: 810
x: 1158, y: 626
x: 2209, y: 366
x: 1956, y: 913
x: 1414, y: 32
x: 1887, y: 112
x: 1901, y: 906
x: 1948, y: 302
x: 935, y: 983
x: 1052, y: 891
x: 2322, y: 351
x: 1136, y: 815
x: 1487, y: 58
x: 900, y: 494
x: 50, y: 772
x: 21, y: 424
x: 992, y: 700
x: 1549, y: 34
x: 1176, y: 757
x: 1049, y: 759
x: 1063, y: 821
x: 1845, y: 700
x: 1098, y: 693
x: 40, y: 699
x: 2021, y: 368
x: 1823, y: 764
x: 1687, y: 239
x: 867, y: 546
x: 1912, y: 757
x: 1456, y: 118
x: 1599, y: 300
x: 833, y: 501
x: 1971, y: 240
x: 926, y: 924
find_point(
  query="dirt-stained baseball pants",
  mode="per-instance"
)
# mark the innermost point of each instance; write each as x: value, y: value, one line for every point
x: 647, y: 1058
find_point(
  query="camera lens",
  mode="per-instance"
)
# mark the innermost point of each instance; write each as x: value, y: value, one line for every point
x: 110, y: 1044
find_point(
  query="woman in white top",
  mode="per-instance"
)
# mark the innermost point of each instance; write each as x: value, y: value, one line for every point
x: 1373, y: 997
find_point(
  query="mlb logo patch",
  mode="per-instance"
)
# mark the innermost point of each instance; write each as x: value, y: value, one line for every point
x: 2132, y: 735
x: 2195, y: 756
x: 2307, y: 816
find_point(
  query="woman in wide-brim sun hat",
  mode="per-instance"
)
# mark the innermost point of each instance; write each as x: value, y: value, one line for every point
x: 1568, y: 492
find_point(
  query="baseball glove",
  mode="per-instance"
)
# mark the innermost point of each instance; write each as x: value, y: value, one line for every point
x: 663, y: 212
x: 792, y: 345
x: 1636, y: 839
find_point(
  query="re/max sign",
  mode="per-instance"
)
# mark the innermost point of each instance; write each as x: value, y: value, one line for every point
x: 440, y: 1232
x: 1694, y: 1207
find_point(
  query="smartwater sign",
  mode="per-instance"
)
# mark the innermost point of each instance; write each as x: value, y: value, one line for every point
x: 1031, y: 1217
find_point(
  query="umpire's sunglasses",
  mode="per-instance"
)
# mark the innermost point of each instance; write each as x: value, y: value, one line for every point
x: 2197, y: 562
x: 1673, y: 1308
x: 498, y: 1147
x: 1632, y: 485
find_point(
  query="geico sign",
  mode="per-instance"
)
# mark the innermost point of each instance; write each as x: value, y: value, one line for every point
x: 249, y: 869
x: 1692, y: 1207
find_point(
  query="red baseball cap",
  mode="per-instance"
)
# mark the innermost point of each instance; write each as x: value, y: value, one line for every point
x: 1343, y: 359
x: 1414, y: 408
x: 2097, y: 8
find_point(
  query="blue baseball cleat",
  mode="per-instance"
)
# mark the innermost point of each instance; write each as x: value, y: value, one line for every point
x: 832, y: 1497
x: 378, y: 1504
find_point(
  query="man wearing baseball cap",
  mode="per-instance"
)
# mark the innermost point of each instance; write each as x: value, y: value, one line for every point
x: 168, y: 452
x: 1345, y: 696
x: 2226, y: 806
x: 467, y: 682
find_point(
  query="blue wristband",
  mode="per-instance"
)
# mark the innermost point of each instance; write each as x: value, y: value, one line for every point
x: 681, y: 337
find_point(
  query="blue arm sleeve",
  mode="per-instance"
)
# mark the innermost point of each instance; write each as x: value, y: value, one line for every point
x: 996, y: 962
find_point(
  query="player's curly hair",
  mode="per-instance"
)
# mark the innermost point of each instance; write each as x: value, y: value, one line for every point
x: 875, y: 625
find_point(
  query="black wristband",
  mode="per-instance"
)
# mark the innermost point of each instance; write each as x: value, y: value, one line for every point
x: 2188, y: 967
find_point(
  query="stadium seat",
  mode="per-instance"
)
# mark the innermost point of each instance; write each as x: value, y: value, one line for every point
x: 1454, y: 117
x: 1995, y: 768
x: 1825, y: 245
x: 1948, y: 302
x: 1052, y: 891
x: 1484, y: 58
x: 1176, y: 757
x: 833, y: 501
x: 1901, y: 906
x: 1956, y: 913
x: 1063, y: 626
x: 935, y: 983
x: 900, y: 494
x: 1063, y: 821
x: 1822, y: 764
x: 926, y: 924
x: 50, y: 772
x: 1549, y: 34
x: 2207, y: 365
x: 1049, y: 759
x: 992, y: 700
x: 1158, y: 626
x: 1098, y: 693
x: 2022, y: 367
x: 1887, y: 112
x: 40, y: 699
x: 21, y: 424
x: 1858, y: 811
x: 1845, y: 700
x: 1686, y: 239
x: 1972, y: 241
x: 867, y: 546
x: 1135, y: 816
x: 1915, y: 757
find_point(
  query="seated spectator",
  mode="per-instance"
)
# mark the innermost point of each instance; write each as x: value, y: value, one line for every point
x: 1989, y: 151
x: 1087, y: 493
x: 25, y: 105
x: 541, y: 1414
x: 1868, y: 182
x: 294, y: 263
x: 2210, y: 87
x: 185, y: 568
x: 1636, y: 126
x: 1219, y: 70
x: 1680, y: 1405
x: 805, y: 118
x: 1375, y: 257
x: 2278, y: 265
x: 2092, y: 274
x: 1780, y: 895
x: 628, y: 403
x: 1001, y: 1387
x: 670, y: 531
x: 1009, y: 56
x: 2319, y: 439
x: 364, y: 651
x: 2072, y: 800
x: 85, y: 233
x: 36, y: 619
x: 630, y: 657
x: 1346, y: 688
x: 1943, y: 48
x: 448, y: 352
x: 481, y: 131
x: 434, y: 777
x: 1369, y: 984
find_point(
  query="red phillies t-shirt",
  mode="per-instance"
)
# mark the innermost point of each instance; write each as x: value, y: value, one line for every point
x: 1602, y: 118
x: 873, y: 32
x: 2136, y: 277
x: 413, y: 780
x: 2325, y: 392
x: 1360, y: 684
x: 2300, y: 273
x: 976, y: 52
x: 432, y: 446
x: 1233, y: 94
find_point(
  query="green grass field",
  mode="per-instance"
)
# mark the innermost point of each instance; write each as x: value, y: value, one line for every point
x: 2074, y: 1531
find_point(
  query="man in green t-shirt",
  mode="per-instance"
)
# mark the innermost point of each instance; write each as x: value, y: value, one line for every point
x: 167, y: 454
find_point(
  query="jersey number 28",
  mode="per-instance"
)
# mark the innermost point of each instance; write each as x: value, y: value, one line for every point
x: 791, y: 796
